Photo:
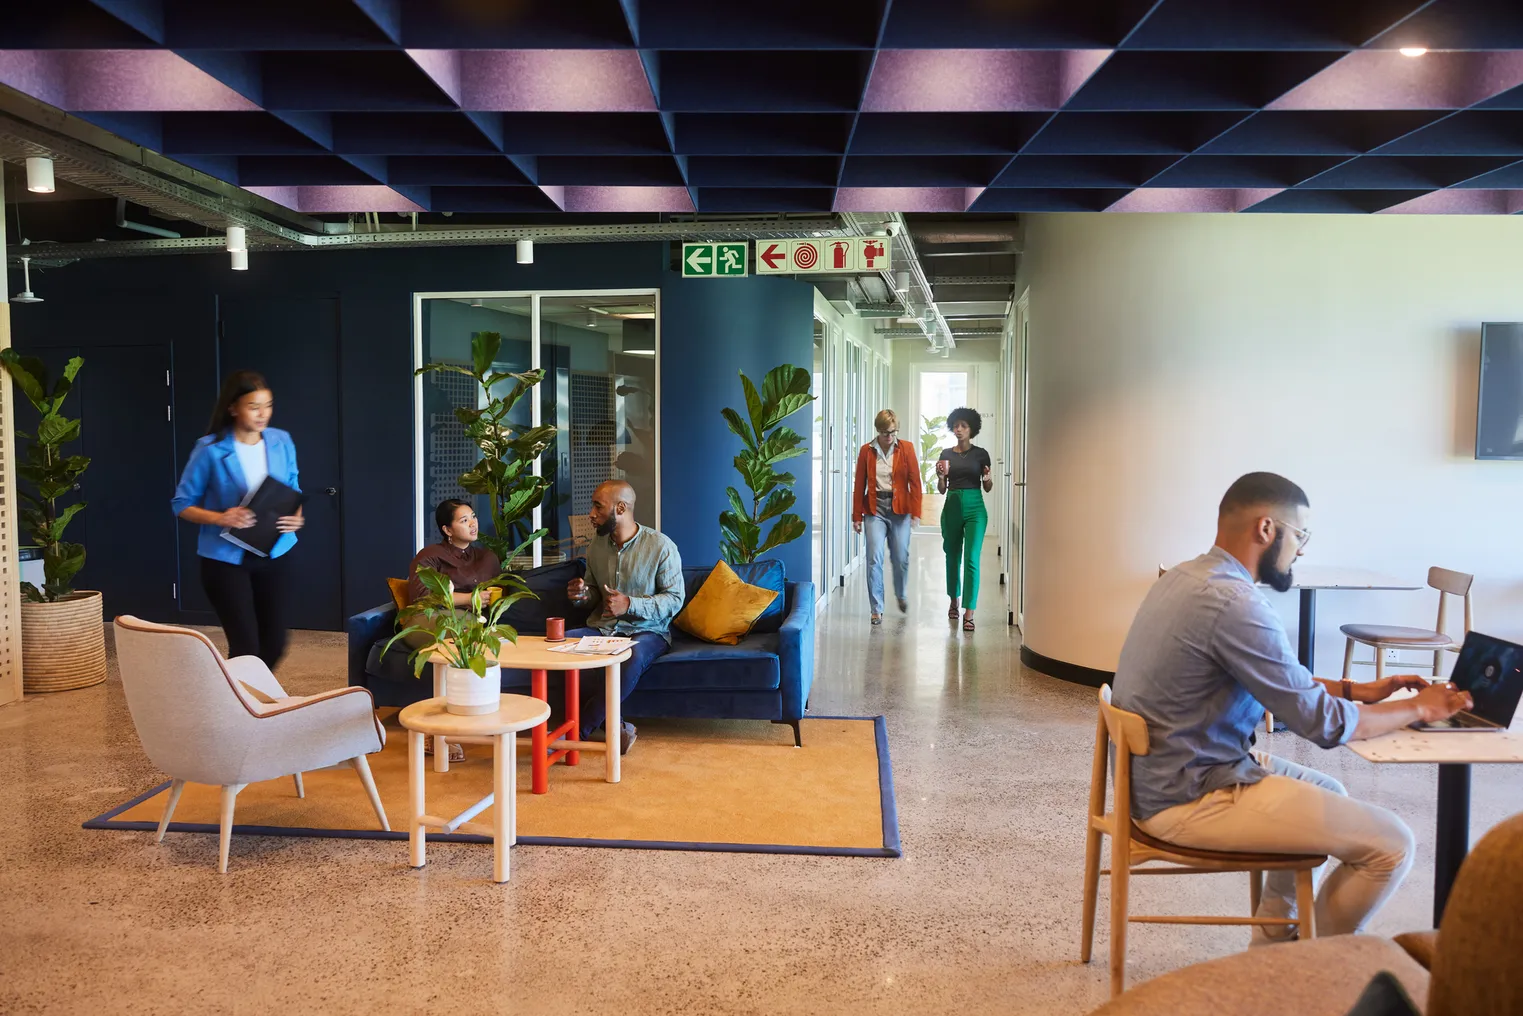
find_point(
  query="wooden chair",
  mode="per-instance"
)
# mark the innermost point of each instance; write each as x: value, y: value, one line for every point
x: 1268, y: 716
x: 1131, y: 849
x: 1381, y: 637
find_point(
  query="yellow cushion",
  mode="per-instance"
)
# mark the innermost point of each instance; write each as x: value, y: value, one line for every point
x: 725, y: 608
x: 399, y: 593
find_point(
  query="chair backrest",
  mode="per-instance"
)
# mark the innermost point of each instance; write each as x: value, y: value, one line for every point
x: 1475, y: 968
x: 1129, y: 733
x: 191, y: 716
x: 1451, y: 583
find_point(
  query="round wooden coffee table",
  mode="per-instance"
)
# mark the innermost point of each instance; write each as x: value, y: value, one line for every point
x: 500, y: 729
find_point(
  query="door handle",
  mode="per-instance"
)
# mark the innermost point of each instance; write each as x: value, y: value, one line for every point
x: 331, y: 491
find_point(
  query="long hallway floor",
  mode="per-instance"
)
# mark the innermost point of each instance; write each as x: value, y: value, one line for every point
x: 980, y: 915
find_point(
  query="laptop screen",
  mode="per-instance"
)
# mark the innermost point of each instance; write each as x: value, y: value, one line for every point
x: 1492, y: 672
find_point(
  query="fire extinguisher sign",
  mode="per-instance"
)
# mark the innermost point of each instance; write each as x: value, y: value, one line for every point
x: 844, y: 254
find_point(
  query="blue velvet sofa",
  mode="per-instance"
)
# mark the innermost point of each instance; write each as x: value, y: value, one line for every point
x: 766, y: 677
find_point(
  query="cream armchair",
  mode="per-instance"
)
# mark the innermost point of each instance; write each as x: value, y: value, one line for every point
x: 229, y: 723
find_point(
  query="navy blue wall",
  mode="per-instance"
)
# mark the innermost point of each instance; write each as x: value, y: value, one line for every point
x: 710, y: 330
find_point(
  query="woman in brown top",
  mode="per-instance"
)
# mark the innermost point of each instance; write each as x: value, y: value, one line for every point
x: 456, y: 555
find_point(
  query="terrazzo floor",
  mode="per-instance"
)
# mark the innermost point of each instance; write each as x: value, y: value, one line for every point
x: 980, y: 915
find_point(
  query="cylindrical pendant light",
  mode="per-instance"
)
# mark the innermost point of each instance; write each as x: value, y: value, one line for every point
x: 526, y: 252
x: 240, y: 260
x: 237, y: 238
x: 39, y: 174
x: 902, y: 282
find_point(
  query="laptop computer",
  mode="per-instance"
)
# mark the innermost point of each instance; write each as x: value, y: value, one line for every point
x: 1491, y: 670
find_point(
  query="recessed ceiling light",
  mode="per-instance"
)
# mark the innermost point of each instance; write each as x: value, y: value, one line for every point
x: 1413, y: 50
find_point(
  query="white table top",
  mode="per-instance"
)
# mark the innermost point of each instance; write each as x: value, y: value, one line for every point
x: 514, y: 712
x: 533, y: 653
x: 1419, y: 746
x: 1311, y: 576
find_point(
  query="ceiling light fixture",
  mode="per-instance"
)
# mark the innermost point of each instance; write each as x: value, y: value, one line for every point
x: 237, y: 239
x: 240, y: 260
x: 26, y: 296
x: 592, y: 320
x: 39, y: 174
x: 1414, y: 50
x: 526, y: 252
x: 901, y: 282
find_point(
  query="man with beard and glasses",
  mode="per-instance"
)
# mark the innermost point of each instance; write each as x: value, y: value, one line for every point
x: 634, y: 587
x: 1206, y: 655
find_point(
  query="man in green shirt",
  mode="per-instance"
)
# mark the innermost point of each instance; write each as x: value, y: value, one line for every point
x: 634, y: 587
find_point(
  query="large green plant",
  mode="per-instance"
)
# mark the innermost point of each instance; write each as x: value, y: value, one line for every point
x: 50, y: 472
x: 784, y: 391
x: 505, y: 470
x: 930, y: 437
x: 468, y: 638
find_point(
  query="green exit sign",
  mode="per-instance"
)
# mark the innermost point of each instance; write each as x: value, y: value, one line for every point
x: 715, y: 260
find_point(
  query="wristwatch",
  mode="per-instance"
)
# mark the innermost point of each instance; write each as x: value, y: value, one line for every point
x: 1348, y: 689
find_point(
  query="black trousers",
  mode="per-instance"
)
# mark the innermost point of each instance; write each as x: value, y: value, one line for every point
x: 250, y: 600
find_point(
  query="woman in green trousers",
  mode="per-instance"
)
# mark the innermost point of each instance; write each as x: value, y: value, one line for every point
x: 963, y: 473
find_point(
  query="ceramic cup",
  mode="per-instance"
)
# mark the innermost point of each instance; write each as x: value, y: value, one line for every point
x: 555, y: 628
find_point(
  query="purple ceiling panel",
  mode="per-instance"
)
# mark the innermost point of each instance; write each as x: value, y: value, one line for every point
x: 552, y: 81
x: 1386, y: 79
x: 1192, y: 199
x: 902, y: 199
x: 118, y: 81
x: 320, y: 200
x: 977, y: 80
x: 443, y: 65
x: 627, y: 199
x: 1461, y: 202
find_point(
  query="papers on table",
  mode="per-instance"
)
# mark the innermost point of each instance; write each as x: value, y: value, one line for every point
x: 595, y: 645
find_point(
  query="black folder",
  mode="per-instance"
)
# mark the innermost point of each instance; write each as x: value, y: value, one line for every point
x: 269, y: 502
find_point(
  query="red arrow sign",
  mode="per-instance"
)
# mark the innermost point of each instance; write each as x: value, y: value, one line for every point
x: 774, y: 255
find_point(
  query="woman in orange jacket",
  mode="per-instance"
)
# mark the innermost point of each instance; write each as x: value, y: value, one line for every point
x: 886, y: 500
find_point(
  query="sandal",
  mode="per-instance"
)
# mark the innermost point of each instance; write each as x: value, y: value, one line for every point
x: 967, y: 624
x: 952, y: 613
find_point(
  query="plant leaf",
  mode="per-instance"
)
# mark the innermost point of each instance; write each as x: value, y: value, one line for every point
x: 484, y: 347
x: 754, y: 406
x: 30, y: 375
x: 787, y: 529
x: 738, y: 427
x: 777, y: 502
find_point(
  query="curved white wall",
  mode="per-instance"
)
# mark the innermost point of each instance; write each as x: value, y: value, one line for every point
x: 1172, y: 353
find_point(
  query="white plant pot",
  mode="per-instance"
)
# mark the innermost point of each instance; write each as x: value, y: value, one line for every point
x: 465, y: 694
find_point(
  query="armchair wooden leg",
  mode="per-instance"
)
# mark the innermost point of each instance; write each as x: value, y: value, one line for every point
x: 301, y: 791
x: 362, y: 767
x: 1120, y: 878
x: 1306, y: 906
x: 169, y: 808
x: 229, y: 799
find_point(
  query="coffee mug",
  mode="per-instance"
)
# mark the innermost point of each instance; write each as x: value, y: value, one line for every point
x: 555, y: 628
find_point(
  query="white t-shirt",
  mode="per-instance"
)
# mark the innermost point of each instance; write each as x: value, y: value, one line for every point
x: 255, y: 461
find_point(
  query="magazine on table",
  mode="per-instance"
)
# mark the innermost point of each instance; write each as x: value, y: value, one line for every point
x: 596, y: 645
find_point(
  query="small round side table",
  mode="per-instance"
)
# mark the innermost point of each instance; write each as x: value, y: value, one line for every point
x: 500, y: 729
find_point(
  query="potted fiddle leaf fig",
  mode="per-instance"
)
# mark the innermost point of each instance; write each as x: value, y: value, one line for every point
x: 468, y: 637
x: 63, y: 641
x: 784, y: 391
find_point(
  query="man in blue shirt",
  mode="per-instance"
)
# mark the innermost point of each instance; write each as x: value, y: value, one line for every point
x: 634, y: 587
x: 1206, y: 655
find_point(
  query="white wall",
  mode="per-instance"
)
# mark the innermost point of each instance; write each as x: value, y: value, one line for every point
x: 1172, y: 353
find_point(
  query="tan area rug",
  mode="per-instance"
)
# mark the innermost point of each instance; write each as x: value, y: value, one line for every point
x: 737, y: 785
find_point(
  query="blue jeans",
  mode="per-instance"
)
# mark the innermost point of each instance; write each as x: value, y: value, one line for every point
x: 648, y: 646
x: 893, y: 531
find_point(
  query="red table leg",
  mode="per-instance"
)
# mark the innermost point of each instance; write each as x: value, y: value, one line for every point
x: 539, y: 767
x: 574, y: 713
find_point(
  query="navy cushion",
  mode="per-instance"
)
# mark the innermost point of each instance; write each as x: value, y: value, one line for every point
x: 548, y: 583
x: 693, y: 665
x: 767, y: 574
x: 395, y: 665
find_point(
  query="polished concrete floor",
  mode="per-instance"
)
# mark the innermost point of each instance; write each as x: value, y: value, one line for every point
x: 980, y: 915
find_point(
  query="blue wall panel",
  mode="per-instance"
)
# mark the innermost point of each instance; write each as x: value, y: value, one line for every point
x: 710, y: 330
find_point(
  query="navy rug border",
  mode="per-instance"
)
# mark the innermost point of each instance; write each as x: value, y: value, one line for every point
x: 891, y: 844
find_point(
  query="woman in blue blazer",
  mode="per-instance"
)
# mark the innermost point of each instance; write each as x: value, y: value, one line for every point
x: 248, y: 592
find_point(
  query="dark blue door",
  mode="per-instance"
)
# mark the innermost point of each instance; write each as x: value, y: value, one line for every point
x: 294, y: 343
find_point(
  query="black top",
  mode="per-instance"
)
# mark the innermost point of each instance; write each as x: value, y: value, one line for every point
x: 965, y: 471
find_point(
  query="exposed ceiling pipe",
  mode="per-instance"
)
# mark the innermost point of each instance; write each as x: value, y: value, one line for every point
x: 122, y: 223
x: 905, y: 258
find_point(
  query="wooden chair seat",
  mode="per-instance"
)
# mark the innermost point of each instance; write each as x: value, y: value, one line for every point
x: 1243, y: 861
x: 1388, y: 634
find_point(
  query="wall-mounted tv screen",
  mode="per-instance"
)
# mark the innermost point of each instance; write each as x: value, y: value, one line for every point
x: 1499, y: 415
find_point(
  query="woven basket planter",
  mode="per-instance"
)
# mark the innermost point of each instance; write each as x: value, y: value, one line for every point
x: 63, y: 644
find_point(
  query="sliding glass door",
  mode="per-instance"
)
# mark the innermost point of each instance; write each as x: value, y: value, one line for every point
x: 600, y: 354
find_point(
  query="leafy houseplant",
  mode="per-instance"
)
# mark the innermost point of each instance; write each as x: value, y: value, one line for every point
x: 784, y: 391
x: 930, y: 437
x: 467, y: 637
x: 63, y: 643
x: 51, y: 472
x: 505, y: 470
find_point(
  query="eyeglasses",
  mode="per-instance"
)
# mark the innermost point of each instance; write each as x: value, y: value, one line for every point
x: 888, y: 433
x: 1303, y: 536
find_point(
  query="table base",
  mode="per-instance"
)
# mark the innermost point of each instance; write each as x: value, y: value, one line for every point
x: 1452, y: 842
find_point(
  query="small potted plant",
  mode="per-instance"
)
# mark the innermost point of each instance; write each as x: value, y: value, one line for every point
x: 467, y: 637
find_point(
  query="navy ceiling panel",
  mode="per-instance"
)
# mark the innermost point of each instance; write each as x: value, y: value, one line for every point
x: 608, y: 106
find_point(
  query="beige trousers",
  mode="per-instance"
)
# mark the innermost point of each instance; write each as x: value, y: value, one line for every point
x: 1300, y: 811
